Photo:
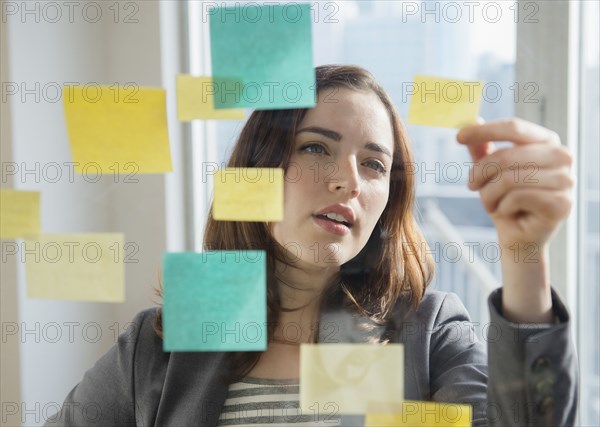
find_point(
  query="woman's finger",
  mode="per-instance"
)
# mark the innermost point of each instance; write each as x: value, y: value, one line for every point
x: 515, y: 162
x: 546, y: 207
x: 480, y: 151
x: 541, y: 180
x: 515, y: 130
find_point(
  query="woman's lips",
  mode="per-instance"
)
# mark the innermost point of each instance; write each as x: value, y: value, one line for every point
x: 331, y: 226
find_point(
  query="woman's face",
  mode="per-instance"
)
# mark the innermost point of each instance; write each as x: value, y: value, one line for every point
x: 338, y: 181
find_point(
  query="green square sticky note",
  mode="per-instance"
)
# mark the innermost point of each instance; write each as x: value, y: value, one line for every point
x: 262, y: 56
x: 443, y: 102
x: 215, y: 301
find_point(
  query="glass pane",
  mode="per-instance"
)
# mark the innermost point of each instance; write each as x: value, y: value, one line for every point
x: 589, y: 208
x: 396, y: 40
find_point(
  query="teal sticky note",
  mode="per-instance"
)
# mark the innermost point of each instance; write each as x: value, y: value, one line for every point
x: 215, y: 301
x: 262, y: 56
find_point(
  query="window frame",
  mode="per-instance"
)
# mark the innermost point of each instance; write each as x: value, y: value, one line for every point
x: 556, y: 50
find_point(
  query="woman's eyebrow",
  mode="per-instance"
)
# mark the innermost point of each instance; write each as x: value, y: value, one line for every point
x: 331, y: 134
x: 378, y: 148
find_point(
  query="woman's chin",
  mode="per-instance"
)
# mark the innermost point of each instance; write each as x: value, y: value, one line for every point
x: 316, y: 255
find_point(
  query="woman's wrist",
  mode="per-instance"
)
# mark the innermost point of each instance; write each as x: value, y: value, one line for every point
x: 526, y: 295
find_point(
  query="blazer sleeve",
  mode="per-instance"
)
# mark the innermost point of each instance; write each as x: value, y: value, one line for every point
x: 105, y: 396
x: 528, y: 378
x: 533, y: 375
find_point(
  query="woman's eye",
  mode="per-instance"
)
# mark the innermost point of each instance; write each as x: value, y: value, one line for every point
x: 313, y: 148
x: 376, y: 165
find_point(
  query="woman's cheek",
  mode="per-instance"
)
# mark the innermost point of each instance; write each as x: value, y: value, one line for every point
x: 377, y: 199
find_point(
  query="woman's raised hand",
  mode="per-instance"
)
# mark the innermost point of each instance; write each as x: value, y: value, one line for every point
x: 526, y: 188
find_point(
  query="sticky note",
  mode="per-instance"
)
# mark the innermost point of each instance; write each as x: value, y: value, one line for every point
x: 215, y: 301
x: 262, y: 56
x: 248, y: 194
x: 348, y: 375
x: 117, y: 129
x: 84, y: 267
x: 19, y: 213
x: 417, y: 414
x: 195, y: 100
x: 443, y: 102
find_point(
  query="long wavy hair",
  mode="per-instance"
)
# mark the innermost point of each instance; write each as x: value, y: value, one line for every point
x: 394, y: 265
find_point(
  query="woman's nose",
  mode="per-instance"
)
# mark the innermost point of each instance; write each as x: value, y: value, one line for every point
x: 345, y: 177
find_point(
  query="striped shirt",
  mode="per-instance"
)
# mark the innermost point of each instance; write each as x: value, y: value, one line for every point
x: 264, y: 402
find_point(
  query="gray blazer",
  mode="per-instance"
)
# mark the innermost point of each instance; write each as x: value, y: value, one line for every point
x: 529, y: 378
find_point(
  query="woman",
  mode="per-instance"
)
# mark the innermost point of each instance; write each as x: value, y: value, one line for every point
x: 360, y: 260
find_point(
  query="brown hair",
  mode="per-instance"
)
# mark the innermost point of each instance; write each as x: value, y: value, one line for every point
x: 393, y: 265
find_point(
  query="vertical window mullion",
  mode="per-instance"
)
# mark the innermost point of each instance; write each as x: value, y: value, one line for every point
x: 546, y: 59
x: 198, y: 52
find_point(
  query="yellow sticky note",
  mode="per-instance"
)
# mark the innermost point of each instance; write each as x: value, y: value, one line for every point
x: 19, y: 213
x: 248, y: 194
x: 422, y: 414
x: 195, y: 100
x: 348, y: 375
x: 117, y: 129
x: 85, y: 267
x: 443, y: 102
